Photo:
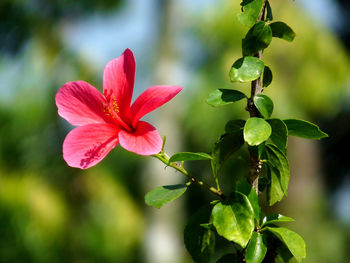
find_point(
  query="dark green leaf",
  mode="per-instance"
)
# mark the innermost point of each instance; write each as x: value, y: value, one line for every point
x: 258, y: 38
x: 256, y: 131
x: 228, y: 258
x: 164, y: 194
x: 246, y: 189
x: 251, y: 11
x: 283, y: 254
x: 267, y: 77
x: 246, y: 69
x: 256, y: 249
x: 226, y: 146
x: 234, y: 219
x: 188, y: 156
x: 264, y: 105
x: 263, y: 182
x: 221, y: 97
x: 283, y: 31
x: 279, y: 135
x: 234, y: 126
x: 274, y: 189
x: 277, y: 159
x: 292, y: 240
x: 269, y: 15
x: 199, y: 241
x: 304, y: 129
x: 275, y: 218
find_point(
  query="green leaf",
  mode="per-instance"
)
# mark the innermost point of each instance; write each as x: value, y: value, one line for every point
x: 251, y: 12
x: 256, y: 249
x: 246, y: 189
x: 234, y: 126
x: 246, y: 69
x: 234, y: 219
x: 258, y: 38
x: 267, y: 77
x: 277, y: 159
x: 269, y: 15
x: 274, y: 189
x: 283, y: 254
x: 256, y: 131
x: 283, y: 31
x: 164, y: 194
x: 279, y: 135
x: 189, y: 156
x: 200, y: 241
x: 226, y: 146
x: 221, y: 97
x: 276, y: 218
x: 304, y: 129
x: 228, y: 258
x: 264, y: 105
x: 292, y: 240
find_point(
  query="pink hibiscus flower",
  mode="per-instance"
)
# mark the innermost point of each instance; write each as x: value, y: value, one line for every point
x: 106, y: 120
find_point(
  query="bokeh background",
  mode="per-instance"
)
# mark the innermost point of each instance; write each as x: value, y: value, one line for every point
x: 50, y: 212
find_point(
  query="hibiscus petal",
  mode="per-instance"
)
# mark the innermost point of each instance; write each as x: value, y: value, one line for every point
x: 151, y: 99
x: 87, y: 145
x: 80, y: 103
x: 118, y: 80
x: 144, y: 141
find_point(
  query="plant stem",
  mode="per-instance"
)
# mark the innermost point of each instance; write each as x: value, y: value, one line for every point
x: 256, y: 88
x: 164, y: 158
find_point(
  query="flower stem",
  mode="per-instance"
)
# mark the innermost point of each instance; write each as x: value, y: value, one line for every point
x: 164, y: 158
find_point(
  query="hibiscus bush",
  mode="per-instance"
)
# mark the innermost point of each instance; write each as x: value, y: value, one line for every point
x: 106, y: 120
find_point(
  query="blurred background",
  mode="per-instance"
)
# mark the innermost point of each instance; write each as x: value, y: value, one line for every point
x: 50, y: 212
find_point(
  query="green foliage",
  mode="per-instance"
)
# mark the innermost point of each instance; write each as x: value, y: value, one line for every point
x: 234, y: 219
x: 251, y: 11
x: 264, y: 105
x: 189, y: 156
x: 258, y: 38
x: 200, y: 241
x: 233, y: 126
x: 256, y: 249
x: 246, y: 69
x: 267, y: 77
x: 282, y: 30
x: 246, y: 189
x: 164, y: 194
x: 292, y: 240
x: 304, y: 129
x: 256, y: 131
x: 274, y: 190
x: 275, y: 218
x: 221, y: 97
x: 228, y: 258
x: 279, y: 135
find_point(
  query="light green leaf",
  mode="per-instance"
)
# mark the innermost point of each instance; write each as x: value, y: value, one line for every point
x: 304, y: 129
x: 274, y: 189
x: 264, y: 105
x: 279, y: 135
x: 234, y: 219
x: 246, y: 189
x: 277, y: 159
x: 189, y: 156
x: 234, y: 126
x: 267, y: 77
x: 292, y: 240
x: 256, y: 131
x: 221, y: 97
x: 164, y: 194
x: 258, y: 38
x: 246, y: 69
x: 256, y: 249
x: 251, y: 11
x: 276, y: 218
x: 200, y: 241
x: 283, y: 31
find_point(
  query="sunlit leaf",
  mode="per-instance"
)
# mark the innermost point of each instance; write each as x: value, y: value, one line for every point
x: 164, y: 194
x: 274, y: 189
x: 246, y: 69
x: 256, y: 131
x: 283, y: 31
x: 221, y: 97
x: 258, y: 38
x: 246, y: 189
x: 256, y: 249
x: 189, y: 156
x: 251, y: 11
x: 304, y: 129
x: 276, y: 218
x: 264, y: 105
